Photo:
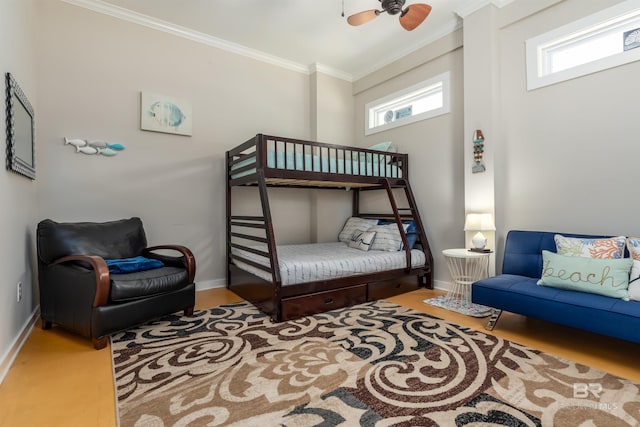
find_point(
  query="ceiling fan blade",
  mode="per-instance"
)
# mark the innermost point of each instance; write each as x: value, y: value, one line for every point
x: 414, y: 15
x: 362, y: 17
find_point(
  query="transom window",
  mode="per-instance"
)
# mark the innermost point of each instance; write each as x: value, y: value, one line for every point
x: 603, y: 40
x: 429, y: 98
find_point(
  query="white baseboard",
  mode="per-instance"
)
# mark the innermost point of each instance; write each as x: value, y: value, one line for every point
x: 441, y: 285
x: 201, y: 285
x: 8, y: 358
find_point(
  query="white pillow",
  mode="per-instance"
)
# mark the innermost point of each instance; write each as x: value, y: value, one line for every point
x: 355, y: 223
x: 634, y: 281
x: 361, y: 239
x: 384, y: 146
x: 633, y: 244
x: 387, y: 237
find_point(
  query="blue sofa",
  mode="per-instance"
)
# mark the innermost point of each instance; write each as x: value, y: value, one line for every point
x: 515, y: 290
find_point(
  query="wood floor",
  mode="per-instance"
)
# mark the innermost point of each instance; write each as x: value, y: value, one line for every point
x: 58, y: 379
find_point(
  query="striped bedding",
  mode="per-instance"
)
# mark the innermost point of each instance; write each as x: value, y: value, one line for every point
x: 324, y: 261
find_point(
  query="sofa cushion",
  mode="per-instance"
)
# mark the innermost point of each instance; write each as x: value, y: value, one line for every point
x: 142, y: 284
x: 608, y: 277
x: 507, y: 290
x: 607, y: 248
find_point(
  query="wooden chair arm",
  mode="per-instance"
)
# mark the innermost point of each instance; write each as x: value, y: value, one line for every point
x: 189, y: 259
x: 103, y: 282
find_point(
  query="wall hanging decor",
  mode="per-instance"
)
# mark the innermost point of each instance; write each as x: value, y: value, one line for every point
x: 478, y: 149
x: 161, y: 113
x: 94, y: 147
x: 21, y: 146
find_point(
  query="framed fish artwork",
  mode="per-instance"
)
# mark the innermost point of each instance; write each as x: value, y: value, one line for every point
x: 161, y: 113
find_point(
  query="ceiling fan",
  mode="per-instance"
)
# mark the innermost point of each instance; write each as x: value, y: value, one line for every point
x: 410, y: 17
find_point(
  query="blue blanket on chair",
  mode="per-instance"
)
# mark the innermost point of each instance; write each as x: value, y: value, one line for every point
x: 131, y: 265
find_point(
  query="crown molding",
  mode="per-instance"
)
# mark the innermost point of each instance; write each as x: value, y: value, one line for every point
x: 330, y: 71
x: 109, y: 9
x: 474, y: 5
x: 448, y: 28
x: 187, y: 33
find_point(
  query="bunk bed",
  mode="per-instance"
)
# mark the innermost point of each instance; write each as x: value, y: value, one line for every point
x: 277, y: 278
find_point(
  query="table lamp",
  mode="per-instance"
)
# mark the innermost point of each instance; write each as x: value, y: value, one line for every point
x: 479, y: 222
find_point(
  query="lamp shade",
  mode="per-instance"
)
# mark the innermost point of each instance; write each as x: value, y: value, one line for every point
x: 479, y: 222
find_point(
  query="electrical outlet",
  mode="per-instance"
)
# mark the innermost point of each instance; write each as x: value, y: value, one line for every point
x: 19, y: 291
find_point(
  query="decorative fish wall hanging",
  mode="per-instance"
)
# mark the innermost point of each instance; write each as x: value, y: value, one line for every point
x: 94, y: 147
x: 478, y: 150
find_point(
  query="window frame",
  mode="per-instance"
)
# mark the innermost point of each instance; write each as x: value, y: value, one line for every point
x: 370, y: 107
x: 538, y: 48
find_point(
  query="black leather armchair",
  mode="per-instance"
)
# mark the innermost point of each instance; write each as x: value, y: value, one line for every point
x: 78, y: 293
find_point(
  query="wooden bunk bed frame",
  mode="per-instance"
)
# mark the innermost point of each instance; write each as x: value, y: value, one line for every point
x: 247, y: 165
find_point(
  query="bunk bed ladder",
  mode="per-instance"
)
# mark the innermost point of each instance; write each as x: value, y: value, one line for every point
x: 410, y: 213
x: 271, y: 241
x: 415, y: 215
x: 398, y: 220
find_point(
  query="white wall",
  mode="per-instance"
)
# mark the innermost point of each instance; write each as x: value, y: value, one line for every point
x: 93, y: 68
x: 434, y: 146
x: 569, y: 155
x: 18, y: 26
x: 332, y: 122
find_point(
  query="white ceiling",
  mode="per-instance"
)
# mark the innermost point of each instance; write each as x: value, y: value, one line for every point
x: 297, y: 33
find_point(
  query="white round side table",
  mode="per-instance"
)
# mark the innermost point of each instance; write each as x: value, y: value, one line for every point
x: 465, y: 267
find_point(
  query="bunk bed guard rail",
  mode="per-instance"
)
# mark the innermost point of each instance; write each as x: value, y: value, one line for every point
x: 294, y: 162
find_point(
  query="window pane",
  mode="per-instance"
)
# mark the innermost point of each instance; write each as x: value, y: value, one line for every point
x: 582, y: 47
x: 424, y: 100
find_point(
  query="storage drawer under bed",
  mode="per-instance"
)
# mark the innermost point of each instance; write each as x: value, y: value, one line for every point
x: 388, y: 288
x: 319, y: 302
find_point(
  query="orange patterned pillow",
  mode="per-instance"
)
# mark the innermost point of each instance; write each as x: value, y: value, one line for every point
x: 606, y: 248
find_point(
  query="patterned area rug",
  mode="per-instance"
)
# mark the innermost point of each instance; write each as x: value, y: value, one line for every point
x: 375, y: 364
x: 460, y: 305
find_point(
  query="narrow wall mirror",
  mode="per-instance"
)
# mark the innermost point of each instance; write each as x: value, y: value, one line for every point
x: 21, y: 155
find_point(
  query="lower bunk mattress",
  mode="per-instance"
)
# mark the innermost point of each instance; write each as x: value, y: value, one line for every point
x: 325, y: 261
